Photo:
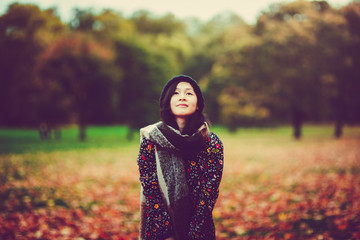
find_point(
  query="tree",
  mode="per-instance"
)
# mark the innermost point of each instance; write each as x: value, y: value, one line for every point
x: 25, y: 31
x: 147, y: 23
x: 110, y: 25
x: 79, y: 77
x: 345, y: 98
x: 240, y: 107
x: 289, y: 32
x: 285, y: 62
x: 166, y: 35
x: 144, y: 74
x: 211, y: 42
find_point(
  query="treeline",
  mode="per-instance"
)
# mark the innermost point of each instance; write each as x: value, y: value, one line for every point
x: 299, y: 62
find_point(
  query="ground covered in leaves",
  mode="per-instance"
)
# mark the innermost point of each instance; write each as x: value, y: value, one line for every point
x: 273, y: 187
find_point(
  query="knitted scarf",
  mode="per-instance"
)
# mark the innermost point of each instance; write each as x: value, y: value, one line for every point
x: 172, y: 152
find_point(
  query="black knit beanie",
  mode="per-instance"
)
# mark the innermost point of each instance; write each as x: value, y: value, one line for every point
x: 184, y: 78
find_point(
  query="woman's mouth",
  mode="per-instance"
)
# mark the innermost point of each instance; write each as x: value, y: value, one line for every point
x: 182, y: 105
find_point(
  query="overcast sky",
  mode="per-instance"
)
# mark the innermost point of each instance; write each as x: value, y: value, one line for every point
x: 202, y: 9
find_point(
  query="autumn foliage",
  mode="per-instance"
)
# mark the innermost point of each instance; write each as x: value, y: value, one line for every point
x: 272, y: 188
x: 308, y: 193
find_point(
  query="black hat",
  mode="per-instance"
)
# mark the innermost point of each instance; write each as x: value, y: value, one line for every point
x: 184, y: 78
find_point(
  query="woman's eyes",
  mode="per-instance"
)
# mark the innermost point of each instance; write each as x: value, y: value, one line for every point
x: 188, y: 93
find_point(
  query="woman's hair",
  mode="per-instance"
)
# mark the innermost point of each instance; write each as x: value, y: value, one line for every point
x: 194, y: 121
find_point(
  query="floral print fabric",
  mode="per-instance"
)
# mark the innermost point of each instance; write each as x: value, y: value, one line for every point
x: 204, y: 174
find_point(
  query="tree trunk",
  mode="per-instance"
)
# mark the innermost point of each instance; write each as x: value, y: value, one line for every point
x: 339, y: 115
x: 297, y: 123
x: 82, y: 132
x: 338, y: 128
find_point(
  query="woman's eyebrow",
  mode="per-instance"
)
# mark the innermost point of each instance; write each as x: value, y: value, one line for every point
x: 185, y: 89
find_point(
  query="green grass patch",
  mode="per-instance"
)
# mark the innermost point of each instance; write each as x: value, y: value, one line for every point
x: 28, y: 140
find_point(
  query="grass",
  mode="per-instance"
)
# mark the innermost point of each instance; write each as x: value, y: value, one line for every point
x: 28, y: 140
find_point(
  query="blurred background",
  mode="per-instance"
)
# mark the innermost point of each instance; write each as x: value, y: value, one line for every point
x: 289, y: 63
x: 281, y: 82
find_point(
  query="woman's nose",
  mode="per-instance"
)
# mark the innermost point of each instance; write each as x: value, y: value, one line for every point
x: 181, y: 97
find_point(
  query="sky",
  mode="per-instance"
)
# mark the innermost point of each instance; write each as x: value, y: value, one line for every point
x: 204, y: 10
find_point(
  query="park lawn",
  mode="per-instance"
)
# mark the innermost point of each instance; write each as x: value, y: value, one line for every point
x: 28, y: 140
x: 273, y: 187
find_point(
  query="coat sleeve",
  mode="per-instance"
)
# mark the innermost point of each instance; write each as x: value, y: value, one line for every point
x: 209, y: 192
x: 155, y: 220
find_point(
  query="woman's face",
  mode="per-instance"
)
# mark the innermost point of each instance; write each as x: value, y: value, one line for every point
x: 183, y: 102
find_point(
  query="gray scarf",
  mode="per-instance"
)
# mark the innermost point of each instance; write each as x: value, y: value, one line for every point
x: 173, y: 150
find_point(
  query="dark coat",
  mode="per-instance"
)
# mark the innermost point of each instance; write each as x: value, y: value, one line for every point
x: 204, y: 174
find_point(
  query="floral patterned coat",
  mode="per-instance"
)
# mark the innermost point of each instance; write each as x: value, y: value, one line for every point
x: 204, y: 174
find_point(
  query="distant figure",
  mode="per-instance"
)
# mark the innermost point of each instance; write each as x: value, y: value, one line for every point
x: 180, y: 164
x: 44, y: 131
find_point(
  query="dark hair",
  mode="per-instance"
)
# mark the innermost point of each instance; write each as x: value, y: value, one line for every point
x: 194, y: 121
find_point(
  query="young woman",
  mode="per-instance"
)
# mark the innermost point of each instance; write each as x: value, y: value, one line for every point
x: 180, y: 164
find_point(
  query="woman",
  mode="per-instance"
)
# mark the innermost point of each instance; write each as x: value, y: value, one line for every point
x: 180, y: 164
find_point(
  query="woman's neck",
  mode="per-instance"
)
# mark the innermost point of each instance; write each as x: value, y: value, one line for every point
x: 181, y: 123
